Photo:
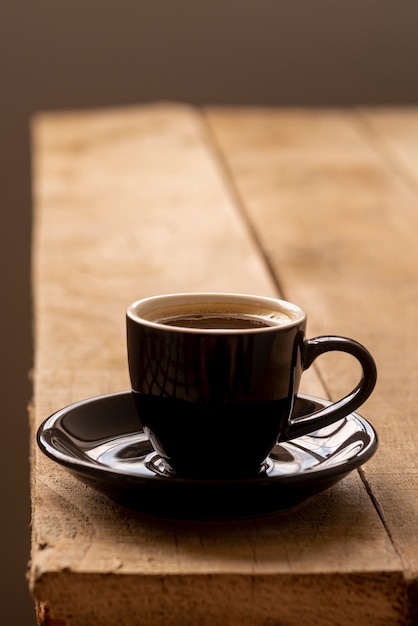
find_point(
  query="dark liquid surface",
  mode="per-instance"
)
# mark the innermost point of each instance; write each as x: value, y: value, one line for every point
x: 219, y: 315
x: 216, y: 321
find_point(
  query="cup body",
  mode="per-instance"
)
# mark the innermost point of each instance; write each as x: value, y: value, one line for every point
x: 214, y: 400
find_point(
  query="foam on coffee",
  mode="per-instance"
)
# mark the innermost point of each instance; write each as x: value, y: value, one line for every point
x: 218, y: 315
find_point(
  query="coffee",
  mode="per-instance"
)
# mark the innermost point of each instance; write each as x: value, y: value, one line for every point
x: 215, y: 321
x: 218, y: 316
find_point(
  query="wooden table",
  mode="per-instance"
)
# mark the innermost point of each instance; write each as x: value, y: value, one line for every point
x: 317, y: 206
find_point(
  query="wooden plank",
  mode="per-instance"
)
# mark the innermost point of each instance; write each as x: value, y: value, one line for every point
x: 338, y: 220
x: 128, y: 203
x: 395, y: 132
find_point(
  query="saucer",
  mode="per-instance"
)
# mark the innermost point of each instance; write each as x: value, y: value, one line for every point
x: 101, y: 442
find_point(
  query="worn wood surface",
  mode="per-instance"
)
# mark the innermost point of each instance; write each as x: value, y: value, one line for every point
x: 320, y: 207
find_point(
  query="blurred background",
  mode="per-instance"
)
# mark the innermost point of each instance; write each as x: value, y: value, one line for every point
x: 91, y: 53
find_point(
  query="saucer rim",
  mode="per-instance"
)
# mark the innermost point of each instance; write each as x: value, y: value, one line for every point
x: 84, y: 466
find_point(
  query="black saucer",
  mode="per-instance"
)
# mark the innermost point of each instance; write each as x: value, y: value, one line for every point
x: 101, y: 442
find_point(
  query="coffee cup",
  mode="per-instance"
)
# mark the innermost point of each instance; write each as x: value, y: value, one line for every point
x: 214, y: 378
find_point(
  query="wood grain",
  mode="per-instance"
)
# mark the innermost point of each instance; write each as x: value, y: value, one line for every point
x: 131, y: 202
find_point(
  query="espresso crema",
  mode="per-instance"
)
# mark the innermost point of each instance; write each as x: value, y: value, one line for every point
x: 218, y: 315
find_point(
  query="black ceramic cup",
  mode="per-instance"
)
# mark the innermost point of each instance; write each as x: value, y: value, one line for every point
x: 214, y: 378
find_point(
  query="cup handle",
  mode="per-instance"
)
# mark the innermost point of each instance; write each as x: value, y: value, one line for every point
x: 311, y: 350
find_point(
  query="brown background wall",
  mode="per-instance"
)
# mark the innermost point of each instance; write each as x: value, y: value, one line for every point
x: 84, y: 53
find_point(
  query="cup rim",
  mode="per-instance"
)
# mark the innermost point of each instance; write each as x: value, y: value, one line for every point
x: 140, y: 307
